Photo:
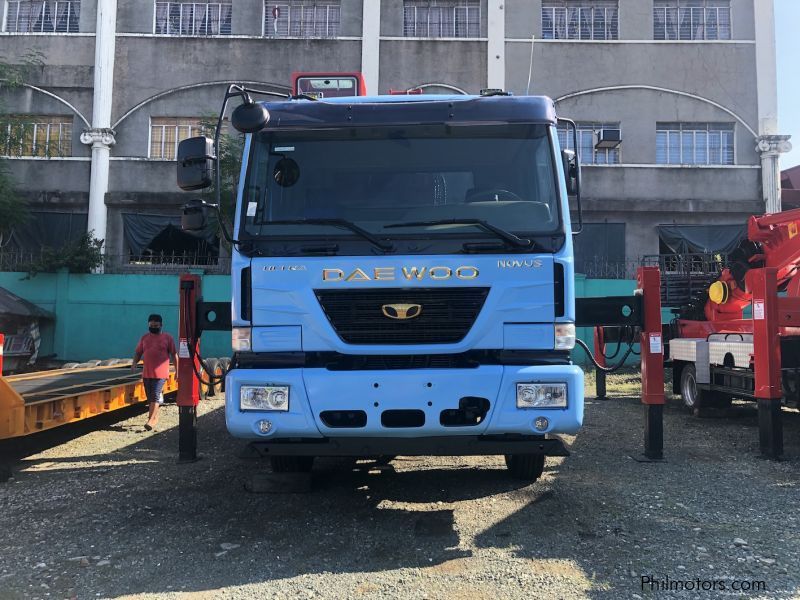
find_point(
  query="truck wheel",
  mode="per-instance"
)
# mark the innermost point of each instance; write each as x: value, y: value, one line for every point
x: 292, y: 464
x: 691, y: 395
x: 696, y: 399
x: 528, y: 467
x: 211, y: 365
x: 225, y: 363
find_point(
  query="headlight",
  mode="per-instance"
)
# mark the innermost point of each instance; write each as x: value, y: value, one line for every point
x: 565, y: 336
x: 541, y: 395
x: 264, y: 397
x: 240, y: 339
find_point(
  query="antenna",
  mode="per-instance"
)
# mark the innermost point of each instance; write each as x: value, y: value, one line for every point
x: 530, y: 69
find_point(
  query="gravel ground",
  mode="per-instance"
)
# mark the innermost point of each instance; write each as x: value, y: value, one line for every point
x: 105, y: 511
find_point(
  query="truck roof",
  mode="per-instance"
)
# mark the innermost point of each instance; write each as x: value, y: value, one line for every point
x: 409, y: 110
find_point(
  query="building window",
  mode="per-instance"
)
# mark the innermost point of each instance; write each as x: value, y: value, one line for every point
x: 580, y: 19
x: 587, y: 153
x: 37, y: 136
x: 193, y: 18
x: 302, y: 19
x: 167, y: 132
x: 442, y: 18
x: 37, y: 16
x: 692, y: 19
x: 694, y: 144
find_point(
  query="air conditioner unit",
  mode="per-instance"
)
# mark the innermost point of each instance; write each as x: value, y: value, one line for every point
x: 607, y: 138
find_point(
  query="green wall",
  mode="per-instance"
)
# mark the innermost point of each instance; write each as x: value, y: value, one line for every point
x: 103, y: 316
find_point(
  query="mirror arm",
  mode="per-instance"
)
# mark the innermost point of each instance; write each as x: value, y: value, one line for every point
x: 571, y: 125
x: 233, y: 91
x: 216, y: 208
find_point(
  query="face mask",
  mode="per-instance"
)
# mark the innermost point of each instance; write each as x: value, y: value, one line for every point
x: 155, y: 329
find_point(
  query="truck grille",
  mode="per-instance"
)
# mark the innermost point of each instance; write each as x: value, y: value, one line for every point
x: 446, y: 316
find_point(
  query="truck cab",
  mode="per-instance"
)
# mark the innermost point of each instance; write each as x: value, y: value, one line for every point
x: 402, y: 278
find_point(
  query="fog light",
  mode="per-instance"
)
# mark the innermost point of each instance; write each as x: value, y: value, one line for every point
x: 541, y: 423
x: 265, y: 426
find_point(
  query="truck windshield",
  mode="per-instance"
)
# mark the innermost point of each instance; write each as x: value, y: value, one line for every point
x: 381, y: 179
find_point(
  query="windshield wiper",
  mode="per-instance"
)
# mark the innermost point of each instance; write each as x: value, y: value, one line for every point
x: 344, y: 224
x: 506, y: 236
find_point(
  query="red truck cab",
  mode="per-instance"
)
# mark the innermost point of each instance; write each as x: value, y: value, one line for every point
x: 328, y: 85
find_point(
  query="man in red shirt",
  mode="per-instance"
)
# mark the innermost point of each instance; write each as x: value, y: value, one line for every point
x: 156, y: 348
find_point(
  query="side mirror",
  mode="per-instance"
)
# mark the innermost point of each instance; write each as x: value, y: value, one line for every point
x: 249, y: 117
x: 194, y: 216
x: 195, y: 163
x: 572, y: 172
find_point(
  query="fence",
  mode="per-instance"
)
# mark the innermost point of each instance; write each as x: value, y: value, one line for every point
x: 686, y: 277
x: 103, y: 316
x: 152, y: 263
x: 698, y: 266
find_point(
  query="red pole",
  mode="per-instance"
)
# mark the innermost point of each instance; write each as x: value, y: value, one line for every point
x: 767, y: 359
x: 652, y: 355
x: 188, y: 366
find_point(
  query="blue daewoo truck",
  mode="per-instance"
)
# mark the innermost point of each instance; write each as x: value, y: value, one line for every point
x: 402, y: 275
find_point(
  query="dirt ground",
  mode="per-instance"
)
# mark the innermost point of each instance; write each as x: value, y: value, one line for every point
x: 102, y: 510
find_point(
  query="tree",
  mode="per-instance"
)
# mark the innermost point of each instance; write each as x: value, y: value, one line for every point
x: 83, y: 255
x: 13, y: 210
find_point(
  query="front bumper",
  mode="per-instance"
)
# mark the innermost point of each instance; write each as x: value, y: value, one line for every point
x: 456, y: 445
x: 504, y: 429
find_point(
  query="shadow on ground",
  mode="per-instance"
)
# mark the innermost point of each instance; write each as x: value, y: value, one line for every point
x: 599, y: 512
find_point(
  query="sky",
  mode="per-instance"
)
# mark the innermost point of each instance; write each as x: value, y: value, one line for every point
x: 787, y: 17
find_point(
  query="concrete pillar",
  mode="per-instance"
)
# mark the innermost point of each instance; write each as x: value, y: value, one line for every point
x: 771, y: 147
x: 770, y: 144
x: 101, y: 137
x: 496, y: 47
x: 766, y: 69
x: 371, y: 46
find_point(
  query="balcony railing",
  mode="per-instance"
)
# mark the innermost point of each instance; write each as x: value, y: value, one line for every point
x: 193, y: 18
x: 150, y: 263
x: 39, y: 16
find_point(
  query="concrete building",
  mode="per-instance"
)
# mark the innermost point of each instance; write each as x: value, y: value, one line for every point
x: 690, y: 84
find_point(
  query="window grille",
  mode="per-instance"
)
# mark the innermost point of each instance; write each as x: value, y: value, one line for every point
x: 692, y: 20
x: 193, y: 18
x: 302, y: 19
x: 37, y: 136
x: 580, y: 19
x: 587, y: 153
x: 695, y: 143
x: 38, y: 16
x: 442, y: 18
x: 167, y: 132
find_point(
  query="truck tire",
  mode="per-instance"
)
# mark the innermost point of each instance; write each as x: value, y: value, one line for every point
x: 292, y: 464
x: 225, y: 363
x: 527, y: 467
x: 211, y: 365
x: 695, y: 399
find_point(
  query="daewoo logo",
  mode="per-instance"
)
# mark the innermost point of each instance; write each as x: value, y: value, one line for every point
x: 402, y: 312
x: 407, y: 273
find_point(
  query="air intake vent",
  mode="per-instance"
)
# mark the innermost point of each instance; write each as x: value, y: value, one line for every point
x: 445, y: 315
